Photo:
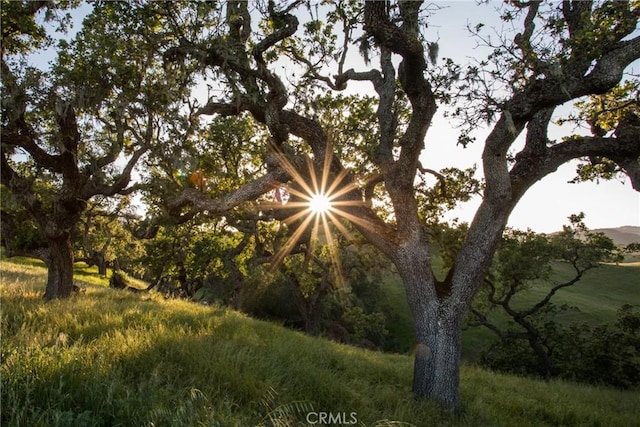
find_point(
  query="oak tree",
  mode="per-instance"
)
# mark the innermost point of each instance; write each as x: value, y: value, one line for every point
x: 564, y: 52
x: 525, y: 259
x: 75, y: 129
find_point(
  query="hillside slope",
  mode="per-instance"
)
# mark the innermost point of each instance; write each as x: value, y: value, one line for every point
x: 621, y: 235
x: 107, y: 357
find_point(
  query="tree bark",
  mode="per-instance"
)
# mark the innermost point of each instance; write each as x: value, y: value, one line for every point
x: 437, y: 353
x: 438, y: 328
x: 102, y: 265
x: 444, y: 364
x: 60, y: 268
x: 98, y: 259
x: 436, y: 374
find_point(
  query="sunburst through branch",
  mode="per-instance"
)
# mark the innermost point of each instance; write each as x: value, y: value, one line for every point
x: 317, y: 202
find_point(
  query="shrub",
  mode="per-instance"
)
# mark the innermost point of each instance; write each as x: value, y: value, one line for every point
x: 605, y: 355
x: 609, y: 354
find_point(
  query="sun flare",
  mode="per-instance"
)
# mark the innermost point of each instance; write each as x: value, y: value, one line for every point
x: 319, y: 204
x: 316, y: 199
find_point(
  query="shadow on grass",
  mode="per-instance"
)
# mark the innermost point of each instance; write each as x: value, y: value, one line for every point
x: 133, y: 361
x: 110, y: 357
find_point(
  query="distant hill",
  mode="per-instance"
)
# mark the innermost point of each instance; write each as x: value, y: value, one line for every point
x: 622, y: 235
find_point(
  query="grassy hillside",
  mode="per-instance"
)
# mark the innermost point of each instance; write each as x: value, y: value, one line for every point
x: 108, y: 358
x: 621, y: 235
x: 597, y: 296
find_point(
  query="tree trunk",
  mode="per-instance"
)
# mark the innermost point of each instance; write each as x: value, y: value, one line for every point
x: 312, y: 322
x: 101, y: 261
x: 60, y: 268
x: 437, y: 357
x: 309, y: 311
x: 445, y: 363
x: 438, y: 329
x: 548, y: 368
x: 102, y: 267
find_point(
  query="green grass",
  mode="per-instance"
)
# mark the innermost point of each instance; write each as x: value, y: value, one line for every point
x: 83, y: 275
x: 109, y: 358
x: 598, y: 296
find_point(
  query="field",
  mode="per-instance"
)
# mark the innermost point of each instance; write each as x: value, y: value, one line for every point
x: 108, y: 358
x: 597, y: 296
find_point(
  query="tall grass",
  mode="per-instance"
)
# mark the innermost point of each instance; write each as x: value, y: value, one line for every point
x: 112, y: 358
x: 598, y: 296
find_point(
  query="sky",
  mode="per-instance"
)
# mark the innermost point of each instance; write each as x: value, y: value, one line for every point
x: 546, y: 206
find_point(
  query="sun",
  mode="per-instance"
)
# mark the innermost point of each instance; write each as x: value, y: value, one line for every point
x: 319, y: 204
x: 316, y: 199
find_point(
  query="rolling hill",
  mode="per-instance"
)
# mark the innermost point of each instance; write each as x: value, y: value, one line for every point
x: 621, y: 235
